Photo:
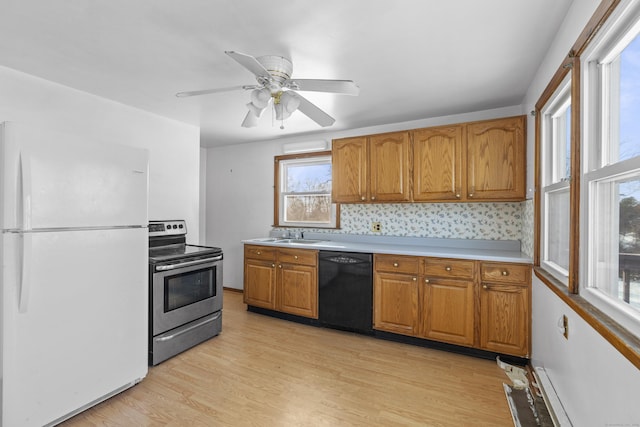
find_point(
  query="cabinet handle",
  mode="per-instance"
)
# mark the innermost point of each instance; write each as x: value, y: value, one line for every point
x: 259, y: 253
x: 457, y: 195
x: 426, y: 280
x: 447, y: 268
x: 485, y: 287
x: 295, y: 257
x: 505, y: 273
x: 373, y: 197
x: 273, y: 265
x: 415, y: 279
x: 470, y: 194
x: 395, y: 264
x: 363, y: 198
x: 279, y: 265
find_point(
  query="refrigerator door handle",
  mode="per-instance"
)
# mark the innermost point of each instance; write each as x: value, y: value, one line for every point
x: 25, y: 175
x: 25, y: 276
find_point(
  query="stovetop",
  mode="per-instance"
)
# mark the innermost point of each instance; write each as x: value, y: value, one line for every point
x: 180, y: 251
x: 167, y: 242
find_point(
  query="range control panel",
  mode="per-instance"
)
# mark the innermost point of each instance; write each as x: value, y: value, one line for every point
x: 176, y: 227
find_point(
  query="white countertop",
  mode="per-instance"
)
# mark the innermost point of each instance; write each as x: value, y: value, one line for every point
x: 483, y: 250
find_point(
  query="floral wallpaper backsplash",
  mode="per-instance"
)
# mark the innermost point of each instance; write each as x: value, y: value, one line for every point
x: 493, y: 221
x: 527, y: 228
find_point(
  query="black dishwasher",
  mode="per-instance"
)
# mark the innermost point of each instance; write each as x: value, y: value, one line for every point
x: 345, y: 294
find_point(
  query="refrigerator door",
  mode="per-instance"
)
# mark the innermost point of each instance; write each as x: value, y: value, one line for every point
x: 77, y: 331
x: 52, y: 180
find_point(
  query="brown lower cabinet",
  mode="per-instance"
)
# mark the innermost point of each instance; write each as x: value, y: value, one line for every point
x: 471, y: 303
x: 281, y: 279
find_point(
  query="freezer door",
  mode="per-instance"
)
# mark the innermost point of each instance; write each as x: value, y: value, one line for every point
x: 77, y: 331
x: 52, y: 180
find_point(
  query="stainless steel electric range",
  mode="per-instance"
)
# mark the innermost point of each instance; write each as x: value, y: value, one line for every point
x: 185, y: 291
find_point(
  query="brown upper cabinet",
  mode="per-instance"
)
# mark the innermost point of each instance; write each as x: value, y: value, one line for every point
x: 483, y: 161
x: 372, y: 169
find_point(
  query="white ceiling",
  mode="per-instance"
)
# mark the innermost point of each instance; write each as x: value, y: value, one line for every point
x: 413, y: 59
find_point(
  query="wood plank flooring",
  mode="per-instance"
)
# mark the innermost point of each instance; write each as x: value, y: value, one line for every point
x: 262, y: 371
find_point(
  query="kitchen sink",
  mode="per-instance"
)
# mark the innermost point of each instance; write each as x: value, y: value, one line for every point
x: 266, y: 239
x: 300, y: 241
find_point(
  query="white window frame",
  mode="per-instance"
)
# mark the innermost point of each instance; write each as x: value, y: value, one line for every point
x: 553, y: 169
x: 601, y: 100
x: 310, y: 160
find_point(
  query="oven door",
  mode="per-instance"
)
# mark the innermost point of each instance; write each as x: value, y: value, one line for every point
x: 185, y: 291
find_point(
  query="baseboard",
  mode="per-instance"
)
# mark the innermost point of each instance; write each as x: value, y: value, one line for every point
x: 236, y: 290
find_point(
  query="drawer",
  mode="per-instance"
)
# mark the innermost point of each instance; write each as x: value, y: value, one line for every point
x: 266, y: 253
x: 505, y: 273
x: 448, y: 268
x: 298, y: 256
x: 397, y: 264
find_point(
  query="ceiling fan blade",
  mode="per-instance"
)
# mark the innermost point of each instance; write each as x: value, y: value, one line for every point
x: 249, y: 62
x: 313, y: 112
x: 344, y: 87
x: 218, y: 90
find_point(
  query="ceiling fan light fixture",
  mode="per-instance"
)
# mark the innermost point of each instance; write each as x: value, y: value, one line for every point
x: 250, y: 120
x: 260, y: 97
x: 255, y: 110
x: 290, y: 102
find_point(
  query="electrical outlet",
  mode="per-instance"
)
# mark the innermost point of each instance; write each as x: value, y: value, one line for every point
x: 376, y: 226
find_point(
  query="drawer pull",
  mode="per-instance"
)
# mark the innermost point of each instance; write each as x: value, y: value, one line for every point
x: 426, y: 280
x: 505, y: 273
x: 373, y: 197
x: 395, y: 264
x: 415, y: 279
x: 279, y: 265
x: 273, y: 265
x: 363, y: 198
x: 295, y: 257
x: 259, y: 253
x: 485, y: 287
x: 447, y: 268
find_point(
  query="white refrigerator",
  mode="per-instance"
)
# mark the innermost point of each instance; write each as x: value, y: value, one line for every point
x: 73, y: 287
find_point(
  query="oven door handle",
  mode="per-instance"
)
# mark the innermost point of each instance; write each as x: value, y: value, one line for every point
x: 187, y: 264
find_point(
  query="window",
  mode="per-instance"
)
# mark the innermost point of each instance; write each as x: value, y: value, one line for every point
x: 303, y: 191
x: 611, y: 182
x: 556, y: 175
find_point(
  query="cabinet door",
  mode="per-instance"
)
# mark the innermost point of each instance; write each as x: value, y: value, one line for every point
x: 448, y: 311
x: 438, y: 164
x: 396, y: 303
x: 504, y: 318
x: 390, y: 166
x: 349, y: 170
x: 298, y: 290
x: 259, y: 283
x: 496, y: 159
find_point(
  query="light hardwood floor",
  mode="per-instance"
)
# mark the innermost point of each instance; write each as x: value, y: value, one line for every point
x: 263, y: 371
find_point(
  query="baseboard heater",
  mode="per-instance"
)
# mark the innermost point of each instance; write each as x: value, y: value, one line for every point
x: 532, y: 400
x: 551, y: 400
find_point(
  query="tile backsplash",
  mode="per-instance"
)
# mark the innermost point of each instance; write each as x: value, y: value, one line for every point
x: 492, y: 221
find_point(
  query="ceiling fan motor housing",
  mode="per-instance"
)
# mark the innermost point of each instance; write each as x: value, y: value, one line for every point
x: 279, y: 67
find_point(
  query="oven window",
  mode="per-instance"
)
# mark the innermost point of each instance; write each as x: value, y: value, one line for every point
x: 188, y: 288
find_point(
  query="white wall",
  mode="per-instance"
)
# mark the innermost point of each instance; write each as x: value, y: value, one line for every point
x: 173, y: 146
x: 239, y: 193
x: 595, y: 383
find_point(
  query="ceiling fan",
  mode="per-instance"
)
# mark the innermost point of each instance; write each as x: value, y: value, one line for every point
x: 273, y: 74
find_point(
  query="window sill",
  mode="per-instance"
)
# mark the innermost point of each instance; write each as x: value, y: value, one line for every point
x: 620, y: 338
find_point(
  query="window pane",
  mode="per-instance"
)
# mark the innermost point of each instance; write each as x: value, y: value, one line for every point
x: 557, y: 237
x: 618, y: 246
x: 308, y: 208
x: 307, y: 178
x: 567, y: 143
x: 629, y: 244
x: 630, y: 101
